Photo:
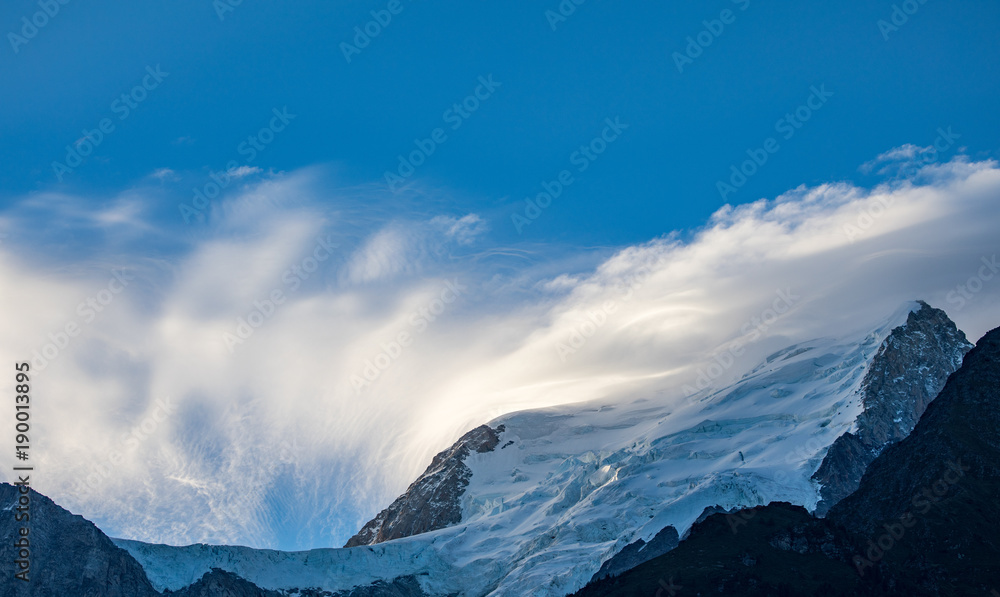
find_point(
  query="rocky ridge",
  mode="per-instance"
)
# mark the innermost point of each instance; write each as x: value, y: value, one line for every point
x: 905, y: 375
x: 638, y: 552
x: 68, y: 554
x: 922, y: 522
x: 433, y: 501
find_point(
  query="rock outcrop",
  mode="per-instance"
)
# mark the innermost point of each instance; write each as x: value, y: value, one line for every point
x: 638, y: 552
x: 433, y: 501
x: 926, y: 508
x: 221, y: 583
x: 778, y: 549
x: 68, y: 554
x: 218, y: 582
x: 905, y: 375
x: 71, y: 557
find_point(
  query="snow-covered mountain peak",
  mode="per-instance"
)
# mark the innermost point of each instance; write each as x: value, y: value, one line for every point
x: 543, y: 497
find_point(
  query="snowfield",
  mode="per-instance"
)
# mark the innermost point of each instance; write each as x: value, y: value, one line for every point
x: 568, y: 487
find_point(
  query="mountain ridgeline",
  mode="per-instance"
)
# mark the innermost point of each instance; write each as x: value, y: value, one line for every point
x: 923, y: 520
x: 68, y: 554
x: 433, y: 501
x: 909, y: 370
x: 541, y: 503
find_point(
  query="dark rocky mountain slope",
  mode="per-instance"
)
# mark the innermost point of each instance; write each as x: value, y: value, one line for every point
x: 68, y: 554
x: 638, y: 552
x: 927, y: 507
x: 433, y: 501
x: 221, y: 583
x: 71, y: 557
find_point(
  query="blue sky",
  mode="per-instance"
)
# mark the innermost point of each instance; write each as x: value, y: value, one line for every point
x: 874, y: 145
x: 685, y: 129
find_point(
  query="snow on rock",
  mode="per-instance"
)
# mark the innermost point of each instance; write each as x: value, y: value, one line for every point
x: 170, y: 567
x: 432, y: 501
x: 564, y: 489
x: 909, y: 371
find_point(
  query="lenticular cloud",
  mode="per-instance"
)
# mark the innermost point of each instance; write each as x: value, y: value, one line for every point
x: 158, y: 431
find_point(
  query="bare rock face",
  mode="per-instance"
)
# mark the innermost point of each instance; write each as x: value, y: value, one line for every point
x: 220, y: 583
x: 639, y: 552
x: 909, y: 371
x: 926, y: 508
x: 778, y: 549
x: 69, y: 555
x: 433, y: 501
x: 405, y: 586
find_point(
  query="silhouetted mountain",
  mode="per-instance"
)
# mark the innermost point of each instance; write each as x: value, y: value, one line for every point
x: 637, y: 552
x: 927, y: 507
x: 219, y: 583
x: 69, y: 556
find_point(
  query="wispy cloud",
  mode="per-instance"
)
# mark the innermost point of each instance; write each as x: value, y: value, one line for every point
x: 277, y: 426
x: 905, y: 159
x: 244, y: 171
x: 164, y: 174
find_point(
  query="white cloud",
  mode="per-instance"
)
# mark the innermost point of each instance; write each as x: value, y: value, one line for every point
x: 274, y: 433
x: 244, y: 171
x: 162, y: 174
x: 906, y: 159
x: 463, y: 230
x: 903, y: 152
x: 386, y: 254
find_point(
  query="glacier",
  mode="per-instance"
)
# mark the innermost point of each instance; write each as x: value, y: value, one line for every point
x: 568, y: 487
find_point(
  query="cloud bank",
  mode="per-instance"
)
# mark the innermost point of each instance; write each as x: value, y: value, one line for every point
x: 277, y: 376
